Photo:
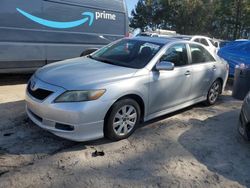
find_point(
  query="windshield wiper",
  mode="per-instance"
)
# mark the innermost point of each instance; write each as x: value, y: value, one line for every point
x: 106, y: 61
x: 103, y: 60
x: 94, y: 58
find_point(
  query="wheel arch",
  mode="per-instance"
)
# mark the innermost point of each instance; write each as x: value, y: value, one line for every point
x: 135, y: 97
x: 222, y: 82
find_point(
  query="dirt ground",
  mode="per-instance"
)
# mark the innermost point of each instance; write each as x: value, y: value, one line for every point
x: 195, y: 147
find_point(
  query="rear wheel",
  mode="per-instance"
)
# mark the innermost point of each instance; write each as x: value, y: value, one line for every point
x: 122, y: 120
x: 214, y: 92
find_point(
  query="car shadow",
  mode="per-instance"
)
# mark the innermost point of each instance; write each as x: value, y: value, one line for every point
x: 155, y: 158
x: 163, y: 117
x: 20, y: 136
x: 14, y: 79
x: 218, y: 146
x: 220, y: 149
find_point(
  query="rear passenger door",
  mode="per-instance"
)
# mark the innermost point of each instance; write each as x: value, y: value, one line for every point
x: 203, y: 70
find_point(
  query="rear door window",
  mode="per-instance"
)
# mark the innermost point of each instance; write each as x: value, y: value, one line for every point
x: 176, y: 54
x: 200, y: 54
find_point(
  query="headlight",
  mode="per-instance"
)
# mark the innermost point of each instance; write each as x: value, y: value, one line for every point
x: 80, y: 96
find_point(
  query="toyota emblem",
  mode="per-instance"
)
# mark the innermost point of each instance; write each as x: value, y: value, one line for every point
x: 33, y: 85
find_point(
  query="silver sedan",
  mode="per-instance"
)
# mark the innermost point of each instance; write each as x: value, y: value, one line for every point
x: 244, y: 121
x: 109, y: 92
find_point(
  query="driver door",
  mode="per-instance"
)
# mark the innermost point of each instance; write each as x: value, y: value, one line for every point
x: 171, y: 88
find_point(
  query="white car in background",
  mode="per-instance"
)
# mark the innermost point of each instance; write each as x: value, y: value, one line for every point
x: 206, y: 41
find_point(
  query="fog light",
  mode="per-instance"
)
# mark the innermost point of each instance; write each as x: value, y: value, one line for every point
x: 64, y: 127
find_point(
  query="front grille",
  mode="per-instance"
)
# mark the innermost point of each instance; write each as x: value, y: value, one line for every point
x: 39, y: 93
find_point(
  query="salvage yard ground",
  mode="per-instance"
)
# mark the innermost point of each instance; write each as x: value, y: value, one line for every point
x: 195, y: 147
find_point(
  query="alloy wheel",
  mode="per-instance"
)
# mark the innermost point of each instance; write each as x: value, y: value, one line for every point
x: 214, y: 92
x: 125, y: 120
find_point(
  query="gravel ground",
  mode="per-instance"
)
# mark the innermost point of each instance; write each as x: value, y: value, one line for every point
x: 195, y: 147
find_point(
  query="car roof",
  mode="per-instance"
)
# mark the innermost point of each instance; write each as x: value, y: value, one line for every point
x: 159, y: 40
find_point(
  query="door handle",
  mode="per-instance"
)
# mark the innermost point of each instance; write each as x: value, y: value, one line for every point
x: 188, y: 73
x: 214, y: 67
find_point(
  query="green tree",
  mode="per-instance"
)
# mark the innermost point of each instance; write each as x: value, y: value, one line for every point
x: 227, y: 19
x: 231, y: 18
x: 141, y: 15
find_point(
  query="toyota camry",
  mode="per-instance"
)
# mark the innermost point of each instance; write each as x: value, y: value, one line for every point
x: 109, y: 92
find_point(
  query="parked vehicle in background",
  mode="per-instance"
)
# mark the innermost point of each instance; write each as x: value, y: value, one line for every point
x: 158, y: 33
x: 236, y: 53
x: 206, y: 41
x: 148, y: 34
x: 35, y: 33
x: 244, y: 120
x: 235, y: 43
x: 109, y: 92
x: 224, y: 43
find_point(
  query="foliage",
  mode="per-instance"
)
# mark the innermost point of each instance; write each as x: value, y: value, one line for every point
x: 226, y: 19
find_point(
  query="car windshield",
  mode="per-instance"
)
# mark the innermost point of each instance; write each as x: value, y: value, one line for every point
x: 128, y: 53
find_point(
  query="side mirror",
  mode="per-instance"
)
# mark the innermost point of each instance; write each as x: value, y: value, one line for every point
x: 164, y: 65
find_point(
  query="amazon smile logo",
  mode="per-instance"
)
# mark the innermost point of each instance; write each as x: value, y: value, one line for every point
x: 88, y: 17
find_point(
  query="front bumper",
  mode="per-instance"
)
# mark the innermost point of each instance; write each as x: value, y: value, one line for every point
x: 81, y: 121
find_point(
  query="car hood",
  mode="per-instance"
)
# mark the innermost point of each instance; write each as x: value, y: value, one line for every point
x: 82, y: 73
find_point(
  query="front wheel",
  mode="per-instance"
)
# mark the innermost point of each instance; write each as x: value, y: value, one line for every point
x: 213, y: 93
x: 122, y: 120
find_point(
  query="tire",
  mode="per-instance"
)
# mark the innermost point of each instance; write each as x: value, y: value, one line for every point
x: 214, y: 92
x: 122, y: 119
